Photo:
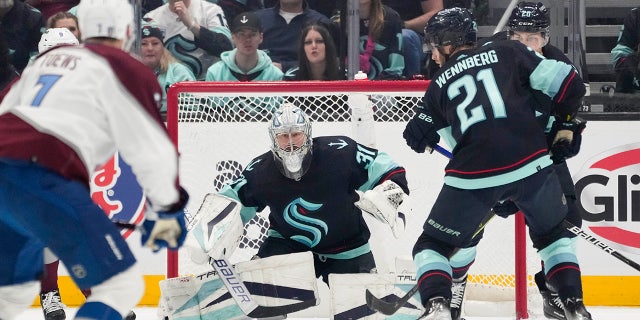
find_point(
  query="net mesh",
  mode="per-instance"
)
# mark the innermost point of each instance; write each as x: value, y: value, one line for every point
x: 222, y: 127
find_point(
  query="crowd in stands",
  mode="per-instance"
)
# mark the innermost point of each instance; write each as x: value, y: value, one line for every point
x: 197, y: 34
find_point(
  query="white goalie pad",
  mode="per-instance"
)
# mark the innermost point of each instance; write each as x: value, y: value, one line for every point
x: 218, y: 229
x: 348, y: 295
x: 273, y: 281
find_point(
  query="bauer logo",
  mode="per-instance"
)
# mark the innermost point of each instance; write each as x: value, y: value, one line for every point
x: 114, y: 188
x: 608, y: 192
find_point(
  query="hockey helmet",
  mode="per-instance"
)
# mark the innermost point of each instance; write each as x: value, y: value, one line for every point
x: 107, y: 19
x: 529, y: 17
x: 55, y: 37
x: 454, y: 26
x: 291, y: 142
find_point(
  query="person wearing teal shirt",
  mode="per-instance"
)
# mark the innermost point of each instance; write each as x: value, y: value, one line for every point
x: 167, y: 68
x: 246, y: 62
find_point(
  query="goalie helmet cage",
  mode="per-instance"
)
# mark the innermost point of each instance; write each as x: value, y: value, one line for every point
x: 220, y: 126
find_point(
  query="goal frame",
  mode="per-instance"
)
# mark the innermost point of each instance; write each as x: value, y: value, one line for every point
x: 371, y: 87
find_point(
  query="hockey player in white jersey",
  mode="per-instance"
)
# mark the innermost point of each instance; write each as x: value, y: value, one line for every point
x: 70, y: 111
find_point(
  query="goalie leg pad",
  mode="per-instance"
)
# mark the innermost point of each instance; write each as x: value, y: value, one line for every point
x: 219, y: 228
x: 273, y: 281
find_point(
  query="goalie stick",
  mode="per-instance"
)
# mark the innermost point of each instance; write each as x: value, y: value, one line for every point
x: 241, y: 294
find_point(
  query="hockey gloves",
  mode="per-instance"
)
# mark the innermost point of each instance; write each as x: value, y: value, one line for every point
x: 566, y: 140
x: 169, y: 229
x: 382, y: 203
x: 420, y: 133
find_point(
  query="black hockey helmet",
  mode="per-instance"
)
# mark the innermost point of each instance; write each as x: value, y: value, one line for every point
x: 529, y: 17
x: 454, y: 26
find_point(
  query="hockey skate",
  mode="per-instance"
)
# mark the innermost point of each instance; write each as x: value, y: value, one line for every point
x: 552, y: 305
x: 52, y: 306
x: 457, y: 289
x: 574, y: 309
x: 438, y: 308
x: 130, y: 316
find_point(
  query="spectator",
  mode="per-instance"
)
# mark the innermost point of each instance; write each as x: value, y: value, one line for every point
x: 49, y: 8
x: 64, y: 19
x: 380, y: 41
x: 317, y: 56
x: 196, y: 32
x: 232, y: 8
x: 155, y: 56
x: 282, y: 26
x: 22, y: 26
x: 415, y: 15
x: 625, y: 56
x: 246, y: 62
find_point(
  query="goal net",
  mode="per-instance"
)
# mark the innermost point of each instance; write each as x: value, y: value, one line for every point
x: 220, y: 126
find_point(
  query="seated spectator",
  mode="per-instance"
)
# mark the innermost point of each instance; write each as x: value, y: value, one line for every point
x: 64, y: 19
x: 415, y: 15
x: 155, y: 56
x: 22, y: 27
x: 282, y: 26
x: 195, y: 32
x: 380, y: 41
x: 246, y: 62
x: 625, y: 56
x: 317, y: 56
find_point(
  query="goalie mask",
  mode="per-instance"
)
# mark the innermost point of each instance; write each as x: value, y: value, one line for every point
x: 291, y: 145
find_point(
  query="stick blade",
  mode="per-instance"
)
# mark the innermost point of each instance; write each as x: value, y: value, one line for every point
x: 274, y: 311
x: 380, y: 305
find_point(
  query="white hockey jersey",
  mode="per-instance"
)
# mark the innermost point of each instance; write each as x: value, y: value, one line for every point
x: 181, y: 42
x: 74, y: 106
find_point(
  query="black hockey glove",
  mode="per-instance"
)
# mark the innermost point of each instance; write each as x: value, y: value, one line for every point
x: 165, y: 228
x: 505, y: 208
x: 420, y: 133
x: 563, y: 148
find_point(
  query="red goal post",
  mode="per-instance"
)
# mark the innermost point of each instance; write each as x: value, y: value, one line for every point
x: 221, y: 126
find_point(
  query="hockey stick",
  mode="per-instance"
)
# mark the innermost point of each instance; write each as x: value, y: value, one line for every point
x: 598, y: 243
x: 575, y: 230
x: 239, y: 291
x: 391, y: 307
x: 243, y: 298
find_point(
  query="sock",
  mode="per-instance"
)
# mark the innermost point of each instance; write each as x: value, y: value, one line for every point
x: 50, y: 280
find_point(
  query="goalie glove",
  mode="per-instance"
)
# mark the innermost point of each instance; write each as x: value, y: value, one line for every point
x: 165, y: 228
x: 382, y: 203
x: 567, y: 139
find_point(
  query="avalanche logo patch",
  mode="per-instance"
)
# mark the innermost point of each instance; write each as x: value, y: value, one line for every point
x: 608, y: 193
x: 114, y: 188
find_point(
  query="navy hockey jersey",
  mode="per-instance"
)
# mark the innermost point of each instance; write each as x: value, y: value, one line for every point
x: 318, y: 210
x: 483, y: 102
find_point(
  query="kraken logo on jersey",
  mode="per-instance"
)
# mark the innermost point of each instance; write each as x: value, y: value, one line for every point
x: 295, y: 214
x: 183, y: 49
